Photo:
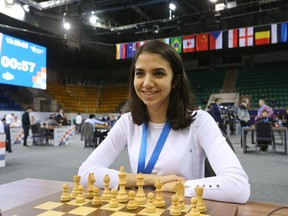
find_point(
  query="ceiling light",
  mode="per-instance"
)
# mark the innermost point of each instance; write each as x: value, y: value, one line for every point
x: 213, y: 1
x: 93, y: 19
x: 66, y: 25
x: 172, y: 6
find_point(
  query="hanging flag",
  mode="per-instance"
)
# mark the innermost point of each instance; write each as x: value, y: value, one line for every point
x: 131, y: 49
x: 188, y: 43
x: 140, y: 43
x: 166, y: 40
x: 216, y: 40
x: 284, y: 32
x: 262, y: 37
x: 176, y: 42
x: 246, y: 36
x: 202, y: 42
x: 233, y: 38
x: 274, y: 38
x: 120, y: 51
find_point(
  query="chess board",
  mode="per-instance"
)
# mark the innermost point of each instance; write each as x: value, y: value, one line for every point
x: 51, y: 206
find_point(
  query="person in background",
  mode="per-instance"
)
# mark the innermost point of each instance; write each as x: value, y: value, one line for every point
x: 61, y: 118
x: 162, y: 114
x: 216, y: 113
x: 111, y: 120
x: 243, y: 114
x: 264, y: 117
x: 262, y: 107
x: 92, y: 120
x: 285, y: 118
x: 16, y: 122
x: 78, y: 122
x: 26, y: 124
x: 8, y: 120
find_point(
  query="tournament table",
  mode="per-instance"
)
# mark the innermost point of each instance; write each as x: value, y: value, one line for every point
x: 19, y: 196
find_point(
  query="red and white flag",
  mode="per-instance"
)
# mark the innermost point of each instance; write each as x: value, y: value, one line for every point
x: 188, y: 43
x: 246, y: 37
x: 233, y: 38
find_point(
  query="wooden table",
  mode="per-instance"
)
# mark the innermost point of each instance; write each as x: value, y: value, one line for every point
x: 19, y: 196
x: 252, y: 130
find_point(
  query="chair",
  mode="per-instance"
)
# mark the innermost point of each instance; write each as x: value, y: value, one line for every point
x: 87, y: 134
x: 264, y: 135
x: 37, y: 134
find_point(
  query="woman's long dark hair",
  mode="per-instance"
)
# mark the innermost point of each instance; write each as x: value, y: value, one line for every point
x: 181, y: 98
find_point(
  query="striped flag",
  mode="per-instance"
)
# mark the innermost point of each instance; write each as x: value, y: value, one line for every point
x: 279, y: 33
x: 120, y: 51
x: 233, y: 38
x: 216, y: 40
x: 262, y: 37
x: 202, y: 42
x: 246, y: 37
x: 176, y: 42
x: 188, y: 43
x: 166, y: 40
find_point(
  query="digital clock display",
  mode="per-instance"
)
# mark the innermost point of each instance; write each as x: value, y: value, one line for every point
x: 22, y: 63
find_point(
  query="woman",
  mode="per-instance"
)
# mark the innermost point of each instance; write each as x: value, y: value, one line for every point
x: 161, y: 106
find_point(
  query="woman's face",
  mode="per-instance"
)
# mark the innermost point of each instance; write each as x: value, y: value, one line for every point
x: 152, y: 81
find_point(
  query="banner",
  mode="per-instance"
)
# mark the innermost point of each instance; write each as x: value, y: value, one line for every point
x: 188, y: 43
x: 246, y: 37
x: 202, y: 42
x: 120, y: 51
x: 216, y: 40
x: 176, y: 42
x: 131, y: 49
x: 233, y: 38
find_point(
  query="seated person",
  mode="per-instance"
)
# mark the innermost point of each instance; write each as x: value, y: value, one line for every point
x: 265, y: 117
x: 95, y: 122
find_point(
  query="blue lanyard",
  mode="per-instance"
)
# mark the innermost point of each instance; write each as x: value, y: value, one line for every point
x: 156, y: 152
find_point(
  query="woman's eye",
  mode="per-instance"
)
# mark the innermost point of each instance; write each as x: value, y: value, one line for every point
x: 139, y: 73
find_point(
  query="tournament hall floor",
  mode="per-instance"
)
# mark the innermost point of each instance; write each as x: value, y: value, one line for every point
x: 268, y: 173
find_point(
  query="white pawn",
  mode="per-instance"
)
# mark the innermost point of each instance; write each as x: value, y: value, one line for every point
x: 159, y: 200
x: 175, y: 209
x: 194, y: 210
x: 65, y: 195
x: 80, y: 197
x: 113, y: 203
x: 132, y: 204
x: 106, y: 195
x: 200, y: 204
x: 151, y: 207
x: 96, y: 197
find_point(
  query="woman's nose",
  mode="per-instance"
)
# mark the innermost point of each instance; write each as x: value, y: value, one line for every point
x: 148, y: 81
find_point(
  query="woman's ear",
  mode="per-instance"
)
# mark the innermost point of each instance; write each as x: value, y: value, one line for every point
x: 176, y: 81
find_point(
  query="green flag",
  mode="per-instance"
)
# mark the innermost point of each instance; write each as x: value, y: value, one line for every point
x: 176, y: 42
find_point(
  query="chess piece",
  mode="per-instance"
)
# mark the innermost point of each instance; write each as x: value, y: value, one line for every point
x: 150, y: 207
x: 194, y: 211
x: 65, y: 195
x: 76, y: 180
x: 140, y: 195
x: 159, y: 200
x: 80, y: 197
x: 90, y: 186
x: 122, y: 195
x: 180, y: 191
x: 175, y: 209
x: 113, y: 203
x: 131, y: 205
x: 96, y: 197
x: 200, y: 204
x: 106, y: 195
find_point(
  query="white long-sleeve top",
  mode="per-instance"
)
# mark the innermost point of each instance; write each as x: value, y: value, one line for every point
x: 183, y: 154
